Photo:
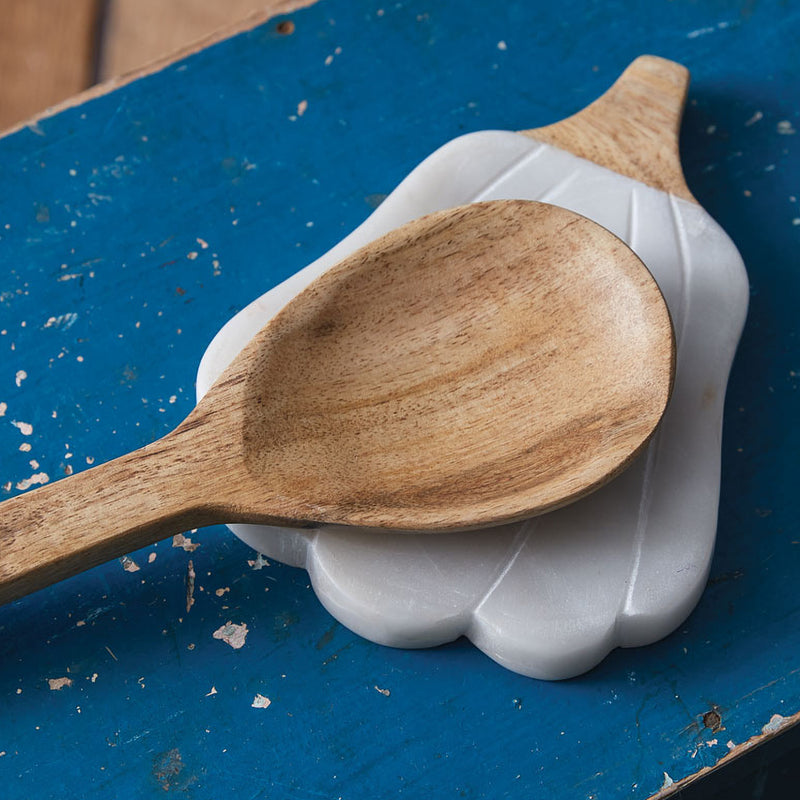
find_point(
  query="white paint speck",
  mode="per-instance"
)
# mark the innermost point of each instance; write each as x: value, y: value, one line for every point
x: 203, y: 244
x: 232, y: 634
x: 259, y: 701
x: 501, y: 45
x: 720, y: 26
x: 56, y: 684
x: 212, y: 692
x: 384, y: 692
x: 3, y: 409
x: 755, y: 118
x: 20, y: 376
x: 62, y: 321
x: 192, y: 256
x: 785, y: 128
x: 699, y: 32
x: 302, y: 107
x: 667, y: 781
x: 151, y: 558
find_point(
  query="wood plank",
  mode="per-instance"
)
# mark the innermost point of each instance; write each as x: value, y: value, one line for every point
x: 138, y: 32
x: 46, y: 54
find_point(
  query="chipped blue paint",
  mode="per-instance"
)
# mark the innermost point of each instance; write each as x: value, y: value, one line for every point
x: 133, y: 226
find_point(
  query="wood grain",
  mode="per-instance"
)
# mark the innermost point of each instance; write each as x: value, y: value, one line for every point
x: 480, y: 365
x: 47, y: 54
x: 634, y: 128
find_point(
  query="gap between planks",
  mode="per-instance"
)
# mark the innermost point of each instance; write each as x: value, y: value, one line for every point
x: 49, y: 66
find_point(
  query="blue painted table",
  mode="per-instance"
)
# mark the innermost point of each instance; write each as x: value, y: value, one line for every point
x: 133, y: 225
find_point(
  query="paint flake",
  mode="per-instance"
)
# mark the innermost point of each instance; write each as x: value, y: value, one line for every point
x: 3, y: 409
x: 258, y: 562
x: 190, y: 577
x: 232, y: 634
x: 259, y: 701
x: 785, y: 128
x: 212, y: 692
x: 25, y: 428
x: 20, y: 376
x: 37, y: 479
x: 128, y: 564
x: 179, y: 540
x: 776, y: 722
x: 57, y: 684
x: 302, y: 107
x: 384, y: 692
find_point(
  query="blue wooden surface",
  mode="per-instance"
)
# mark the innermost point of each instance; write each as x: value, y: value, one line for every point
x: 105, y: 311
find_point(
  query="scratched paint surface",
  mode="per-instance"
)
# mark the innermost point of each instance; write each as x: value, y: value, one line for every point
x: 134, y: 226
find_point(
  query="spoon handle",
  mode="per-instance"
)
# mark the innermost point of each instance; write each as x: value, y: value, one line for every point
x: 84, y: 520
x: 634, y: 127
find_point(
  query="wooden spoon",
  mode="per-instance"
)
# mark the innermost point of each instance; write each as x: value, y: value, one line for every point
x: 476, y: 366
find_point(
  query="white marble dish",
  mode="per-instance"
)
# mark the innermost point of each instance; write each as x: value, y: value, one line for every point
x: 549, y: 597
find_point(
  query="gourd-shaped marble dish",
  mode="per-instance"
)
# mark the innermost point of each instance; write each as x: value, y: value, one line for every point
x: 550, y: 597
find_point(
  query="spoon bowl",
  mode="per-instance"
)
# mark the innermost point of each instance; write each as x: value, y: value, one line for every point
x: 476, y: 366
